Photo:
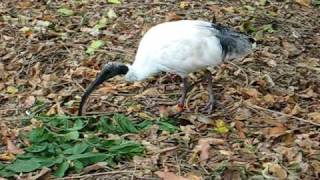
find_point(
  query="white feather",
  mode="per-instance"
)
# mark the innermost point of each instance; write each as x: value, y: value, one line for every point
x: 180, y: 47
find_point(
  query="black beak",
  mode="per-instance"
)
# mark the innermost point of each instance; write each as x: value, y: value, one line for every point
x: 110, y: 70
x: 251, y: 40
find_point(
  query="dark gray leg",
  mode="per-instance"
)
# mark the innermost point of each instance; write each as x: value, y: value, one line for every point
x: 184, y: 91
x: 212, y: 100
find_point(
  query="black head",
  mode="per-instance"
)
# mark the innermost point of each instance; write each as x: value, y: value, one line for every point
x: 110, y: 70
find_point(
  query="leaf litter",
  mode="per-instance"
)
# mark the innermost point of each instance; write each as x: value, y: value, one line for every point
x: 266, y: 125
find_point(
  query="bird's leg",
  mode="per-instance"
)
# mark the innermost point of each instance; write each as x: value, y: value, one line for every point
x: 212, y: 100
x: 184, y: 91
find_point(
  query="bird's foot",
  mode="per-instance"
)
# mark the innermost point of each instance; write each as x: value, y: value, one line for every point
x: 210, y: 106
x: 180, y: 107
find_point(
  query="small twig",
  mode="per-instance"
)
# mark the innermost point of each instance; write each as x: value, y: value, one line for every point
x: 283, y: 114
x: 95, y: 174
x: 243, y: 71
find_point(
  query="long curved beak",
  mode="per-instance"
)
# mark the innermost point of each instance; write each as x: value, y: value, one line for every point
x: 110, y: 70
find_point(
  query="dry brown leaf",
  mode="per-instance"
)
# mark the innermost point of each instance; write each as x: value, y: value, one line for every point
x: 43, y: 174
x: 239, y: 126
x: 7, y: 156
x: 167, y: 111
x: 243, y: 114
x: 305, y: 3
x: 252, y: 92
x: 315, y: 116
x: 191, y: 176
x: 276, y: 131
x: 11, y: 148
x: 29, y: 102
x: 169, y: 176
x: 296, y: 109
x: 172, y: 16
x: 277, y: 170
x: 269, y: 99
x: 316, y: 166
x: 203, y: 147
x: 308, y: 93
x: 95, y: 167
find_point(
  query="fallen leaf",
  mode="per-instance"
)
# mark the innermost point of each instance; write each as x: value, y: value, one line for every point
x: 95, y: 167
x: 172, y: 16
x: 305, y: 3
x: 65, y: 12
x: 95, y: 45
x: 221, y: 127
x: 111, y: 14
x: 7, y: 156
x: 11, y: 148
x: 252, y: 92
x: 276, y: 131
x: 315, y: 116
x: 169, y: 176
x: 184, y: 4
x: 29, y: 102
x: 114, y: 1
x: 43, y: 174
x: 191, y: 176
x: 12, y: 90
x: 276, y: 170
x: 203, y: 147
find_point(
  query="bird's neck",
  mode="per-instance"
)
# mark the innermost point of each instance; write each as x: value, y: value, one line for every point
x: 139, y: 73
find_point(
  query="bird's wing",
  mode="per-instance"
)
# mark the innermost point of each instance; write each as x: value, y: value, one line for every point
x: 180, y: 46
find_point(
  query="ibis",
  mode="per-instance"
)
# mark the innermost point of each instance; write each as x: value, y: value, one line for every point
x: 179, y: 47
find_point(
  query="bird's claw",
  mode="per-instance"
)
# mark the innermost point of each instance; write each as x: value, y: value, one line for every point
x: 209, y: 107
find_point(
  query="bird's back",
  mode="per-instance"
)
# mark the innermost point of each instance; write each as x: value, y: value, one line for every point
x: 180, y: 47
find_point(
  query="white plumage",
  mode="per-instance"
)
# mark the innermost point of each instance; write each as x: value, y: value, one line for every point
x: 179, y: 47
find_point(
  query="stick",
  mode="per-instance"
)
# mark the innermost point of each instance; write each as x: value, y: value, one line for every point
x: 283, y: 114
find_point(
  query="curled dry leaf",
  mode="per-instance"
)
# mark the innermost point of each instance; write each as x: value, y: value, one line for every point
x: 315, y: 116
x: 203, y: 147
x: 169, y: 176
x: 11, y: 148
x: 29, y: 102
x: 95, y: 167
x: 276, y: 131
x: 305, y: 3
x: 276, y: 170
x: 7, y: 156
x: 252, y: 92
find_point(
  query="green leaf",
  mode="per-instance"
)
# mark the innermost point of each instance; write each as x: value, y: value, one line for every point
x: 36, y: 148
x: 78, y: 166
x: 78, y: 125
x: 268, y: 28
x: 73, y: 135
x: 95, y: 45
x: 77, y: 149
x: 24, y: 165
x: 165, y: 126
x: 65, y: 12
x: 114, y: 1
x: 127, y: 148
x: 39, y: 135
x: 90, y: 155
x: 6, y: 173
x: 102, y: 23
x: 63, y: 167
x: 125, y: 124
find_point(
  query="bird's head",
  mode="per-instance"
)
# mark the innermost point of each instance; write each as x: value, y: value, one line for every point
x: 109, y: 70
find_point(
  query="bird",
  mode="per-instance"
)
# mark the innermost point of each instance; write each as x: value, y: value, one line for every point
x: 179, y: 47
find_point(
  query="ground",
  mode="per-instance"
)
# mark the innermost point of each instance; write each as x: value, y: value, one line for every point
x: 265, y: 126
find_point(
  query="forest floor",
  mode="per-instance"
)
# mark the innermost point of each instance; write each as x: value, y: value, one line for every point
x: 266, y: 125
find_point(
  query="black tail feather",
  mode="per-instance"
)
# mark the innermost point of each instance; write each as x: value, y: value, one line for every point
x: 110, y: 70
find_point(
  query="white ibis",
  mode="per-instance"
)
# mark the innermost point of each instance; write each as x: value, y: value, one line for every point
x: 179, y: 47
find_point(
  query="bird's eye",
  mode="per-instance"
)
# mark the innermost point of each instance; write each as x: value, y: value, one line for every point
x: 252, y: 40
